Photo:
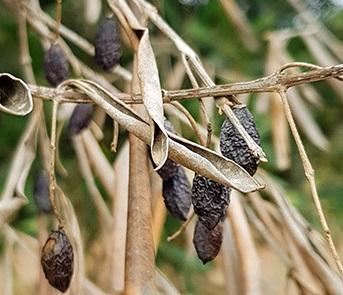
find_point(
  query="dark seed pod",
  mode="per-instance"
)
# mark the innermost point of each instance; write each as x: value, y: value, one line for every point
x: 55, y: 65
x: 57, y: 260
x: 234, y: 147
x: 207, y: 242
x: 41, y: 193
x: 80, y: 118
x: 107, y: 44
x: 177, y: 194
x: 210, y: 200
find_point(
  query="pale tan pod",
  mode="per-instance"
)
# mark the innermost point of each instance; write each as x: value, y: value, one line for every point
x: 15, y: 95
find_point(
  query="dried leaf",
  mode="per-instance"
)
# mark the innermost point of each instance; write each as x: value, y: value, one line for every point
x: 195, y: 157
x: 15, y: 95
x: 152, y: 98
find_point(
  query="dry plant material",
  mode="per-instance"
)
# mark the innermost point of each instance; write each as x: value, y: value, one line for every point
x: 57, y: 260
x: 232, y: 144
x: 207, y: 242
x: 107, y: 45
x: 80, y: 118
x: 41, y: 193
x: 177, y: 193
x: 210, y: 200
x: 55, y: 65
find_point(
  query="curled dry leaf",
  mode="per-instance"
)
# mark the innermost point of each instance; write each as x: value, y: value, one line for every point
x: 207, y: 242
x: 152, y: 99
x: 193, y: 156
x: 57, y: 260
x: 15, y: 96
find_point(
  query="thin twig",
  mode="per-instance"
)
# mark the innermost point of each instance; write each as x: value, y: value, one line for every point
x: 272, y: 83
x: 309, y: 173
x: 191, y: 120
x: 58, y: 18
x: 52, y: 181
x: 182, y: 227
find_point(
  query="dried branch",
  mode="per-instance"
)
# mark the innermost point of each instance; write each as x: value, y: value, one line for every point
x: 309, y: 173
x: 272, y: 83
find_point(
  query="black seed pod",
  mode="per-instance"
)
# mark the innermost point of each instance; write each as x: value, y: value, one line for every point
x: 55, y: 65
x: 207, y: 242
x: 107, y: 44
x: 57, y: 260
x: 234, y: 147
x: 210, y: 200
x: 177, y: 194
x: 80, y: 118
x: 41, y: 193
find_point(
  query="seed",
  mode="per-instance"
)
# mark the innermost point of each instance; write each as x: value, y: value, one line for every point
x: 177, y: 194
x: 80, y: 118
x: 107, y: 44
x: 57, y: 260
x: 41, y: 193
x: 210, y: 200
x: 234, y: 147
x: 207, y: 242
x: 55, y: 65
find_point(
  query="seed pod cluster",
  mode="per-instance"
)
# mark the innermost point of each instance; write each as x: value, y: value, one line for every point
x: 107, y: 44
x: 207, y: 242
x: 176, y: 187
x: 57, y: 260
x: 55, y: 65
x: 234, y: 147
x: 210, y: 200
x: 80, y: 118
x: 41, y: 193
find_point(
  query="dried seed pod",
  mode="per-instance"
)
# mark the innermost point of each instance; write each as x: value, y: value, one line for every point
x: 80, y: 118
x: 234, y: 147
x: 57, y: 260
x: 207, y: 242
x: 107, y: 44
x: 41, y: 193
x: 55, y: 65
x: 177, y: 194
x: 210, y: 200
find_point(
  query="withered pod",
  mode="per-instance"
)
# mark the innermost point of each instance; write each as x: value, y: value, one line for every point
x: 232, y: 144
x: 210, y: 200
x: 207, y: 242
x: 55, y: 65
x: 57, y: 260
x: 107, y: 44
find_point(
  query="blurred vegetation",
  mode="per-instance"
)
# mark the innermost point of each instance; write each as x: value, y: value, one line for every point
x: 209, y: 32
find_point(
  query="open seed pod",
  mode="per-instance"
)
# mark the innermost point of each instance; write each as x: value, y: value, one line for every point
x: 15, y: 96
x: 57, y: 260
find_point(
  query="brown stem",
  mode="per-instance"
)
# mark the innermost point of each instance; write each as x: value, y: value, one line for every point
x: 309, y: 173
